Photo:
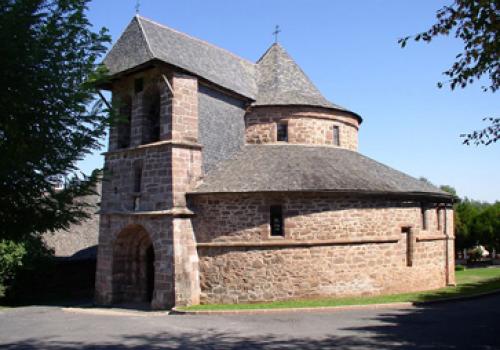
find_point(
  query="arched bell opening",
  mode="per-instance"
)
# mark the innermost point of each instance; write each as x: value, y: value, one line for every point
x: 151, y: 119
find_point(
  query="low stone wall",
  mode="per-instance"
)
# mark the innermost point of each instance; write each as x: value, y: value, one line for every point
x: 313, y: 126
x: 332, y: 247
x: 236, y: 275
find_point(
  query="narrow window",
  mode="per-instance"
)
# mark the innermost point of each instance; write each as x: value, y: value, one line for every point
x: 154, y: 118
x: 423, y: 215
x: 124, y: 123
x: 409, y: 245
x: 336, y: 135
x: 151, y: 117
x: 137, y: 178
x: 282, y: 131
x: 276, y: 222
x: 438, y: 216
x: 138, y: 85
x: 137, y: 187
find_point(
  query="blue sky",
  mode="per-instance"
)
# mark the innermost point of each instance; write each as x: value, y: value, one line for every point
x: 349, y: 49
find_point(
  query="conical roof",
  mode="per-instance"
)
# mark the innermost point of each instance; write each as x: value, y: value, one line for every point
x: 281, y: 81
x: 298, y: 168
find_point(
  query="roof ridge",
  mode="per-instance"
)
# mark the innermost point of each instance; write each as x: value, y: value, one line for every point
x: 265, y: 53
x: 148, y: 45
x: 285, y: 82
x: 194, y: 38
x: 125, y: 30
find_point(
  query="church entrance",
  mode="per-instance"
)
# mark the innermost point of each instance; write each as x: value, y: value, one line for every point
x: 133, y: 266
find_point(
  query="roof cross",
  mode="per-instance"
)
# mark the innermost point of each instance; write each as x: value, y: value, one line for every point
x: 277, y: 30
x: 137, y: 6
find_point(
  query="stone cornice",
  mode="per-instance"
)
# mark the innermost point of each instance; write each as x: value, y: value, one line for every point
x: 410, y: 197
x: 295, y: 243
x: 428, y: 238
x: 168, y: 212
x: 306, y: 110
x: 183, y: 144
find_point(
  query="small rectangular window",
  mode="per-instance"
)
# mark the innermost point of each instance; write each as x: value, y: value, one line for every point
x: 336, y: 135
x: 138, y: 85
x: 423, y: 214
x: 276, y: 220
x: 438, y: 217
x: 282, y: 131
x: 137, y: 179
x: 409, y: 245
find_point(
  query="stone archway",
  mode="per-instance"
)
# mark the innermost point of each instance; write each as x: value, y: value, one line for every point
x: 133, y: 266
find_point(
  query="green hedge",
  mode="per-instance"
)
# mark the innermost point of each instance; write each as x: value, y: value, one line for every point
x: 11, y: 259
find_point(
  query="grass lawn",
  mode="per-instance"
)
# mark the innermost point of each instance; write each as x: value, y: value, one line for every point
x: 469, y: 282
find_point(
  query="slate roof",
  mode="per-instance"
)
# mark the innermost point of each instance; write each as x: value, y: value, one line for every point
x: 282, y: 82
x: 288, y: 167
x: 79, y: 241
x: 144, y: 40
x: 274, y: 80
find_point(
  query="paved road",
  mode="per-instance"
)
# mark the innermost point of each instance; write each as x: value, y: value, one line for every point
x: 473, y: 324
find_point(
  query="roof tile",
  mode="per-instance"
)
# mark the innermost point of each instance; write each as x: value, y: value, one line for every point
x: 288, y: 167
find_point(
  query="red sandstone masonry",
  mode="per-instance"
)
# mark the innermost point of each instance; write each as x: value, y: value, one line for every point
x: 238, y: 274
x: 186, y: 171
x: 153, y: 81
x: 333, y: 246
x: 156, y: 184
x: 185, y: 108
x: 244, y: 217
x: 170, y: 167
x: 305, y: 126
x: 159, y: 230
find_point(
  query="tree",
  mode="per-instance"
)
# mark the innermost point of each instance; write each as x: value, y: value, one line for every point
x: 477, y: 223
x: 465, y: 212
x: 450, y: 189
x: 48, y: 57
x: 475, y: 22
x: 486, y: 226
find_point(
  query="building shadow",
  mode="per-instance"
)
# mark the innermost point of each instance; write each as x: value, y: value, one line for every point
x: 196, y: 341
x: 468, y: 324
x: 472, y: 324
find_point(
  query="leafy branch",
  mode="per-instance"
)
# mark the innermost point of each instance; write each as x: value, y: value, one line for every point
x: 475, y: 22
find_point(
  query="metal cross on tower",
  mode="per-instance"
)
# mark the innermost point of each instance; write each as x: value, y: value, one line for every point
x: 137, y: 6
x: 277, y: 30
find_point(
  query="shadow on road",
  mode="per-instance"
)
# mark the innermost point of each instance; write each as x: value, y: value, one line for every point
x: 214, y: 340
x: 472, y: 324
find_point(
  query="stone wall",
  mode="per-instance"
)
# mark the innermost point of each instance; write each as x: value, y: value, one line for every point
x: 143, y: 196
x: 305, y: 126
x: 159, y: 231
x: 118, y: 187
x: 124, y: 92
x: 185, y: 108
x: 333, y: 246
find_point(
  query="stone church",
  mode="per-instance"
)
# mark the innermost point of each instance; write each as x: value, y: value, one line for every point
x: 229, y: 181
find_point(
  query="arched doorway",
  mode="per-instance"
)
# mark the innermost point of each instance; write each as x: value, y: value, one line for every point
x: 133, y: 266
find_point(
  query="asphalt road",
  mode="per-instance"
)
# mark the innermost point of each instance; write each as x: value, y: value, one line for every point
x: 473, y: 324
